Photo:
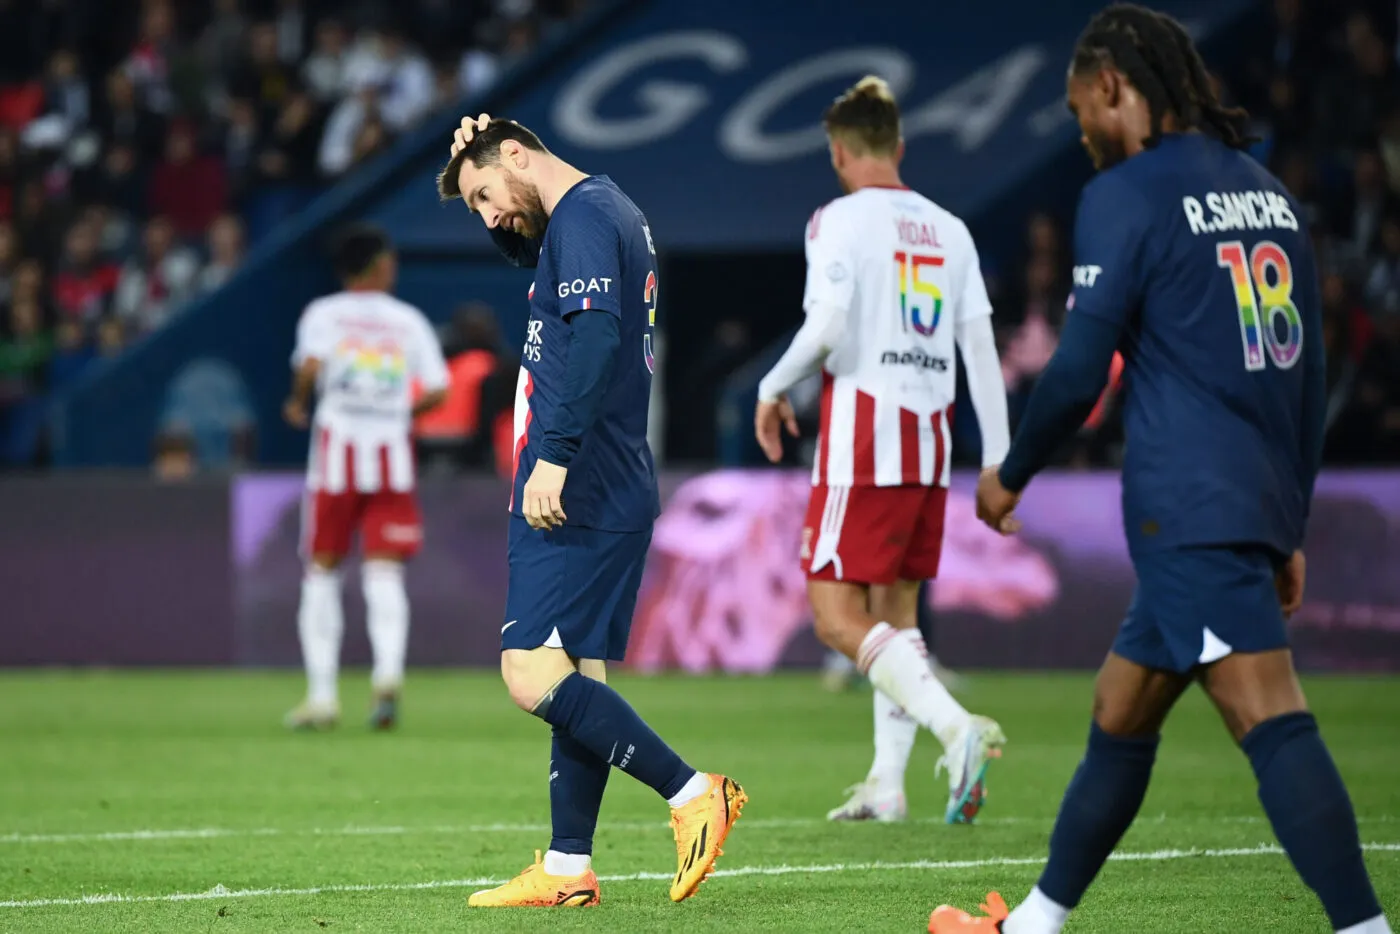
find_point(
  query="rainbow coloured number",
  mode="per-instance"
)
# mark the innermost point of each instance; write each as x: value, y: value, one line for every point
x: 909, y: 266
x: 1264, y: 291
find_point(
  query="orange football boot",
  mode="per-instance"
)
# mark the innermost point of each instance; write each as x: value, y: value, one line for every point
x: 949, y: 920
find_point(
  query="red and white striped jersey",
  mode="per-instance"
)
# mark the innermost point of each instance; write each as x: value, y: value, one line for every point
x: 896, y: 273
x: 371, y: 347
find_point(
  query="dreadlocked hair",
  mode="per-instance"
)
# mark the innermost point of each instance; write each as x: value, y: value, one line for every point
x: 1156, y: 54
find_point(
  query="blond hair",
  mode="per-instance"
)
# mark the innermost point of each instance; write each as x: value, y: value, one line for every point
x: 865, y: 118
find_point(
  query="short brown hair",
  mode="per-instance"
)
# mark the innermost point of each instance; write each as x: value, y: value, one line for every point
x: 865, y: 118
x: 484, y: 150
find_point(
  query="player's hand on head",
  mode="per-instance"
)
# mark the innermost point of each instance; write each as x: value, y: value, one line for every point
x: 996, y: 505
x: 769, y: 420
x: 1290, y: 581
x: 464, y: 134
x: 542, y: 498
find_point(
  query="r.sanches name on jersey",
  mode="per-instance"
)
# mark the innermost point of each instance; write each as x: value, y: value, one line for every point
x: 1239, y: 210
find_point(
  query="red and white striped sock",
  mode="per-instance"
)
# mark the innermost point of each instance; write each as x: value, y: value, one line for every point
x: 901, y: 670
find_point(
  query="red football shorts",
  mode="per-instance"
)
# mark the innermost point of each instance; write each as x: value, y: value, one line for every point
x: 388, y: 522
x: 873, y: 534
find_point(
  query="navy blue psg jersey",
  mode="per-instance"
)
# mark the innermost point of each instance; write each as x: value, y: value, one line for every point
x: 1200, y: 255
x: 597, y: 256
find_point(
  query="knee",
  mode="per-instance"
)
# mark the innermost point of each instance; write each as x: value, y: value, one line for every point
x: 528, y: 681
x: 1121, y: 719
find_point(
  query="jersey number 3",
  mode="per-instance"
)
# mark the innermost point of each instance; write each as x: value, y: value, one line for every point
x: 1264, y: 293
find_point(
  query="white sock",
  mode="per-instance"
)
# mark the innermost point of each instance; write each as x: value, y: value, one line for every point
x: 894, y: 734
x: 319, y: 623
x: 386, y: 607
x: 1036, y: 915
x: 699, y: 784
x: 896, y: 667
x: 566, y: 864
x: 1376, y: 925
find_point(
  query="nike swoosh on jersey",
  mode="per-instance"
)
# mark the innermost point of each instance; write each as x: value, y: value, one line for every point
x: 509, y: 624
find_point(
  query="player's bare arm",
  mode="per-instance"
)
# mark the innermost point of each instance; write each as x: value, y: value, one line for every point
x: 429, y: 401
x: 296, y: 410
x: 810, y: 347
x: 769, y: 420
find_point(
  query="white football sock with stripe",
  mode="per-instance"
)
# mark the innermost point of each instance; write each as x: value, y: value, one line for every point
x: 320, y: 624
x: 386, y: 608
x: 894, y: 733
x: 895, y: 666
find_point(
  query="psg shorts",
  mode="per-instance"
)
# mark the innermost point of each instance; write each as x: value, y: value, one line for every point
x: 874, y: 534
x: 1196, y: 605
x: 572, y: 588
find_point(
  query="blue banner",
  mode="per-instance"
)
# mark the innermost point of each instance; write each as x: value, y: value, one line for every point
x: 709, y: 114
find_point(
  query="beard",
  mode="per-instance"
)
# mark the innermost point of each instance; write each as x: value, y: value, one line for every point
x: 529, y: 218
x: 1105, y: 151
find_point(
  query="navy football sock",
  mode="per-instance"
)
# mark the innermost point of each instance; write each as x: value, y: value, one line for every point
x: 1303, y: 794
x: 603, y: 723
x: 576, y: 782
x: 1098, y: 807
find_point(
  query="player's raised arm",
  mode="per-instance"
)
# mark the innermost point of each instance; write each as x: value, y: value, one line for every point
x: 985, y: 385
x: 1109, y: 239
x: 827, y: 300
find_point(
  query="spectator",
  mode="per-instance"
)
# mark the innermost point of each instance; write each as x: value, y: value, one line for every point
x: 242, y: 140
x: 124, y: 120
x: 1369, y: 431
x: 24, y: 351
x: 153, y: 286
x: 1360, y: 219
x: 10, y: 172
x: 1383, y: 280
x: 72, y: 354
x: 288, y: 154
x: 225, y: 252
x: 221, y: 44
x: 263, y: 77
x: 189, y: 188
x: 66, y: 104
x: 406, y: 85
x: 293, y: 26
x: 9, y: 260
x: 84, y: 282
x: 148, y: 65
x: 324, y: 71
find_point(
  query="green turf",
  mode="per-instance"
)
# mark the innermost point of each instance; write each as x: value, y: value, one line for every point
x: 460, y: 794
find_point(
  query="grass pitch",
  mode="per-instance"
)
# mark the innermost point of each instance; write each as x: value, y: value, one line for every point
x: 152, y: 802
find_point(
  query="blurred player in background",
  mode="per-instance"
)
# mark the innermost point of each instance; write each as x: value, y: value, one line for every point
x: 583, y: 502
x: 892, y: 281
x: 1192, y: 261
x: 361, y: 349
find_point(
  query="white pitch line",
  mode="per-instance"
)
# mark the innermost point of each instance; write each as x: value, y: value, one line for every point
x: 774, y: 823
x: 220, y: 892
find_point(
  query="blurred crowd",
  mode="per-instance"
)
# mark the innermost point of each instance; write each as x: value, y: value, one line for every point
x: 146, y: 144
x: 1323, y: 88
